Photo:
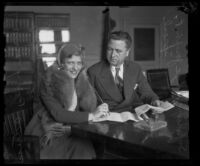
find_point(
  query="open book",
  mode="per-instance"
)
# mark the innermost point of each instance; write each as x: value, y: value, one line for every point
x: 119, y: 117
x: 125, y: 116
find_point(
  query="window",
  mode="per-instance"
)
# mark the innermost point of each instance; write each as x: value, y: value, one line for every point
x: 52, y: 31
x: 48, y: 60
x: 46, y: 35
x: 47, y: 42
x: 65, y: 35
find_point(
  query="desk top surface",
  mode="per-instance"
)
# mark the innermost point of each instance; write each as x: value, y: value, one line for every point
x: 172, y: 139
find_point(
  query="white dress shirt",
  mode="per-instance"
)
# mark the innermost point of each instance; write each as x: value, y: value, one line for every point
x: 121, y: 70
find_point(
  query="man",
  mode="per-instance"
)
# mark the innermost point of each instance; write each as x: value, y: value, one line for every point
x: 123, y: 88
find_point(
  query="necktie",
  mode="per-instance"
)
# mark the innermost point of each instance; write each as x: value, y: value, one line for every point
x: 118, y: 80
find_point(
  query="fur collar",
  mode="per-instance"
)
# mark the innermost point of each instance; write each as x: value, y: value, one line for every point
x: 63, y: 88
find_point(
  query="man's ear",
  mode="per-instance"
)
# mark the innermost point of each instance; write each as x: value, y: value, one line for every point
x: 127, y: 52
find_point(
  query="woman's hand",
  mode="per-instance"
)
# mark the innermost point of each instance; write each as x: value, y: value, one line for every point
x: 101, y: 111
x: 103, y: 108
x: 54, y: 129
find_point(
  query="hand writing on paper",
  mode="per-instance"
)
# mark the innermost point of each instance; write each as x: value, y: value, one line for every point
x: 101, y: 111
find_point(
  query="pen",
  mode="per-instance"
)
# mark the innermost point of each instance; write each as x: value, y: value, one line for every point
x: 100, y: 99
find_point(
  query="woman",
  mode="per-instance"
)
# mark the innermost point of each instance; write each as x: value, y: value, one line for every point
x: 67, y: 98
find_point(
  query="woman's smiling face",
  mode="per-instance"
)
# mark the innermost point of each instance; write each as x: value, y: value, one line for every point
x: 73, y: 66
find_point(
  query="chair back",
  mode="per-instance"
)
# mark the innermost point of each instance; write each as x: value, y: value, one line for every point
x: 18, y: 112
x: 159, y: 82
x: 19, y: 148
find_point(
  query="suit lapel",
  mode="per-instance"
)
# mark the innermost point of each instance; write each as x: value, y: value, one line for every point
x: 128, y: 81
x: 107, y: 81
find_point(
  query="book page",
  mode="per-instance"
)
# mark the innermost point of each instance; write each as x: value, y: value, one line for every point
x: 119, y: 117
x: 113, y: 116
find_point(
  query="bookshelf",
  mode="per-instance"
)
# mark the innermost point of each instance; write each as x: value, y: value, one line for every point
x: 19, y: 51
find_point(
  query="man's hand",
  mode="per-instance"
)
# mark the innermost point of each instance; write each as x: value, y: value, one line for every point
x: 156, y: 103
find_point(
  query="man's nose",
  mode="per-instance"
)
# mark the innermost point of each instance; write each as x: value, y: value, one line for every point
x: 113, y: 53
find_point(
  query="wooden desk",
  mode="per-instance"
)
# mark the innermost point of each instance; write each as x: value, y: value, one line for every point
x: 123, y: 140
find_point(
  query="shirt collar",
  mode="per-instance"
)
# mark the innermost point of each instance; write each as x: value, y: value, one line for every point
x: 113, y: 67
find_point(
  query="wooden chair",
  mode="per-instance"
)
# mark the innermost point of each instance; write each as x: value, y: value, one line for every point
x: 19, y: 148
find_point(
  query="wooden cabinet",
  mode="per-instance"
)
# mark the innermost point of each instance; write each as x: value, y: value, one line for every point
x: 19, y: 51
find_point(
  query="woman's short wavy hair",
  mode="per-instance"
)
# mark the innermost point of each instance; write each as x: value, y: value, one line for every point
x: 68, y: 50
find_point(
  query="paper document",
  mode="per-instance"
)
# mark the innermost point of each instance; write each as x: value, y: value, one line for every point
x: 125, y: 116
x: 146, y: 107
x: 119, y: 117
x: 183, y: 93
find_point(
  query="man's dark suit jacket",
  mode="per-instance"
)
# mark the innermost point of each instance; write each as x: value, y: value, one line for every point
x: 102, y: 80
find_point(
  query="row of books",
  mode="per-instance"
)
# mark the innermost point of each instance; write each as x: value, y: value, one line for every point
x: 17, y: 23
x: 52, y: 22
x: 14, y: 66
x: 18, y: 52
x: 18, y: 37
x: 19, y: 79
x: 16, y: 83
x: 12, y: 89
